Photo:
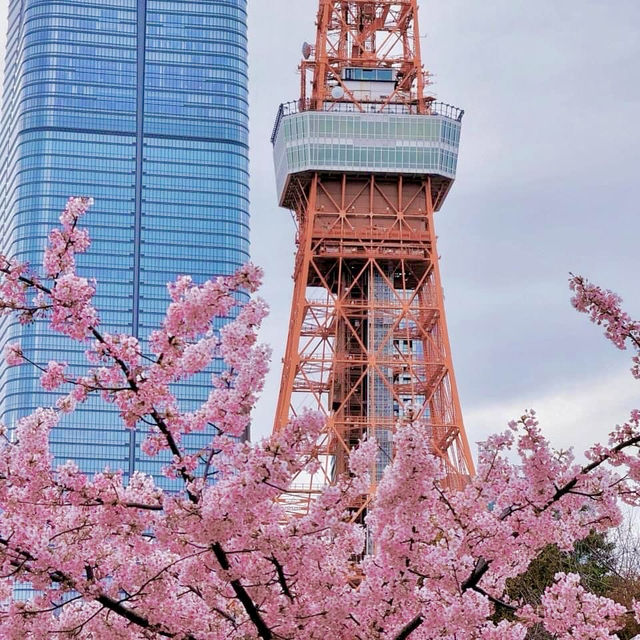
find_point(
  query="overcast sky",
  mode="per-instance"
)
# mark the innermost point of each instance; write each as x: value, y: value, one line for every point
x: 548, y: 183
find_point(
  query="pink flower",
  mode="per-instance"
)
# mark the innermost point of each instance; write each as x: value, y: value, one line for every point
x: 53, y: 377
x: 604, y: 308
x: 269, y: 538
x: 250, y: 277
x: 66, y: 404
x: 571, y: 613
x: 64, y: 243
x: 13, y: 354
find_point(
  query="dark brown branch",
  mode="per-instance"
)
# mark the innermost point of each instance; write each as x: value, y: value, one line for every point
x: 629, y: 330
x: 409, y: 628
x: 570, y: 485
x: 158, y: 419
x: 496, y: 601
x: 282, y: 579
x: 132, y: 616
x: 482, y: 566
x: 116, y: 606
x: 241, y: 593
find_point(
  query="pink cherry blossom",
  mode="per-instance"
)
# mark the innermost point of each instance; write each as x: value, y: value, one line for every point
x: 604, y: 308
x: 53, y: 376
x: 232, y: 553
x: 65, y: 242
x: 571, y: 613
x: 13, y: 354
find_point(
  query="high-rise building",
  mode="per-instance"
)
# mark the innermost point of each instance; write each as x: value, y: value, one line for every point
x: 141, y: 104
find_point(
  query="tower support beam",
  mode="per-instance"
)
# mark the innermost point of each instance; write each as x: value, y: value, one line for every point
x: 365, y: 163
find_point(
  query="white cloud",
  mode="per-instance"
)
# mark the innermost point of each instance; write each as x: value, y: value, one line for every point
x: 575, y: 415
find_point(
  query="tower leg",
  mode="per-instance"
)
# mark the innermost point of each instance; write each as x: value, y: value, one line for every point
x: 368, y: 343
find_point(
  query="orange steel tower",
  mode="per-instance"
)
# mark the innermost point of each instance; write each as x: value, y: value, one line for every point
x: 364, y: 158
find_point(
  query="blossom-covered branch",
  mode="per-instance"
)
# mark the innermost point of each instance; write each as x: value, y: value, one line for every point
x: 110, y: 557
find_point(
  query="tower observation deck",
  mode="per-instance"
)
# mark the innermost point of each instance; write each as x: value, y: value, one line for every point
x: 364, y: 158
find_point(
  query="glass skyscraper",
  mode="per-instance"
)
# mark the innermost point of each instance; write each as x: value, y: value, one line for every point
x: 143, y: 106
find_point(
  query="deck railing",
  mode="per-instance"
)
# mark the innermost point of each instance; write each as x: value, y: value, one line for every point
x: 296, y: 106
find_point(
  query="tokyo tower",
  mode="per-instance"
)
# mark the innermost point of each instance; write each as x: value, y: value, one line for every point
x: 364, y: 158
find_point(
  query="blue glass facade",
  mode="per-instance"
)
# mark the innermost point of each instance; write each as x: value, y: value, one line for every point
x: 143, y: 106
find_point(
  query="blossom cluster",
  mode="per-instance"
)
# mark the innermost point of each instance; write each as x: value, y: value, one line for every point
x: 604, y: 308
x: 224, y: 557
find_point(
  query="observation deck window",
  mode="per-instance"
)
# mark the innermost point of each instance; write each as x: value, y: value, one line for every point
x: 368, y: 75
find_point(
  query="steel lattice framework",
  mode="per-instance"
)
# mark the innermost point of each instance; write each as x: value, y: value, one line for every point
x: 368, y: 343
x: 361, y: 34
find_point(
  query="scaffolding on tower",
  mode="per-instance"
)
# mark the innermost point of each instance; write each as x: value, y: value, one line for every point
x: 364, y: 158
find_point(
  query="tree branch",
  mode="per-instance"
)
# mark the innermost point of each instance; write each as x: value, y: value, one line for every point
x: 107, y: 602
x: 241, y: 593
x: 282, y: 579
x: 409, y: 628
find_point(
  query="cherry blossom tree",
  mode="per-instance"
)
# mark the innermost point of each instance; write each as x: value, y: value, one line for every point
x: 115, y: 560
